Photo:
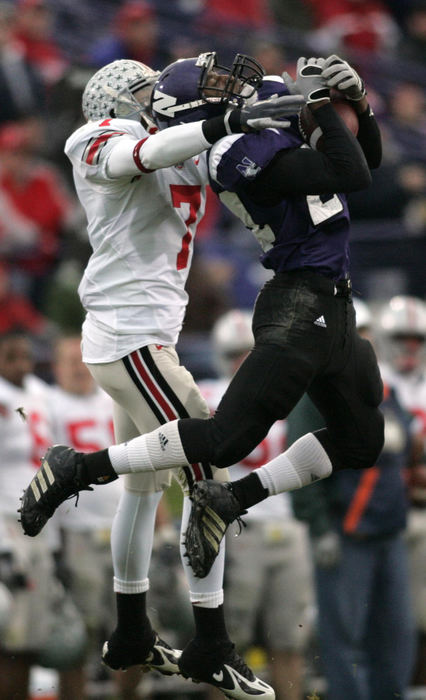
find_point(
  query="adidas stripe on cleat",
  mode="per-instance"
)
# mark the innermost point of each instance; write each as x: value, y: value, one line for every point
x: 58, y: 478
x: 214, y: 507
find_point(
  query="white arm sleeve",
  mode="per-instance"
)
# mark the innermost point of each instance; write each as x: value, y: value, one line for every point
x: 165, y: 148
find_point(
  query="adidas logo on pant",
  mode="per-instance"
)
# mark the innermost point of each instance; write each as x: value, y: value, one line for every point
x: 320, y: 322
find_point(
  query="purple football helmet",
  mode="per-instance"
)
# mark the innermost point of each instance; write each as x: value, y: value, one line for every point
x: 181, y: 94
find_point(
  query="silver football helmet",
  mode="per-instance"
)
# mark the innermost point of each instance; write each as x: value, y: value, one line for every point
x: 232, y: 336
x: 402, y: 327
x: 110, y: 91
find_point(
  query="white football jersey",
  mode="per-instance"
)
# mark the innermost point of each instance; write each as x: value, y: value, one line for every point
x: 275, y: 507
x: 25, y: 435
x: 84, y: 422
x: 141, y: 230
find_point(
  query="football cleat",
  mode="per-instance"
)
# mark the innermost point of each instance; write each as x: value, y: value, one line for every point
x: 230, y: 674
x: 214, y: 507
x: 160, y: 657
x: 58, y: 479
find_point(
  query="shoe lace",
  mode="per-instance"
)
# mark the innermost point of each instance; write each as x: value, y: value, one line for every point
x: 240, y: 522
x: 50, y: 497
x: 238, y: 519
x: 240, y: 665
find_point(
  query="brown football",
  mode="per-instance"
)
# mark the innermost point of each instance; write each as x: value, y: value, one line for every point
x: 310, y: 130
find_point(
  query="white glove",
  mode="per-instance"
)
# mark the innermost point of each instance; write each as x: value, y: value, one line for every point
x: 309, y: 80
x: 268, y: 113
x: 326, y: 549
x: 340, y: 75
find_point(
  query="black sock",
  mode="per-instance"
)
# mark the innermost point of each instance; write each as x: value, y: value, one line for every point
x: 249, y: 490
x: 210, y: 627
x: 97, y: 468
x: 132, y: 620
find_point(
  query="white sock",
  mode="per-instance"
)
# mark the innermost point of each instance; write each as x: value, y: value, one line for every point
x: 304, y: 462
x: 160, y: 449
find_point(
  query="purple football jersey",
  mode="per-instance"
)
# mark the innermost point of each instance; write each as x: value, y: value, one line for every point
x: 304, y: 231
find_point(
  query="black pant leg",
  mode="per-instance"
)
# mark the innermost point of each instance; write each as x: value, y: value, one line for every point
x: 349, y: 401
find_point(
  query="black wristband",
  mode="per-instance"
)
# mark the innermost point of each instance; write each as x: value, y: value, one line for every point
x: 218, y: 127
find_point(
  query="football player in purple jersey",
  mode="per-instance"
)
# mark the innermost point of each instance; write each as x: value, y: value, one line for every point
x: 293, y: 198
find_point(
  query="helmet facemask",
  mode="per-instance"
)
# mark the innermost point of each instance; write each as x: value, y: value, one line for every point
x: 242, y: 79
x: 194, y: 89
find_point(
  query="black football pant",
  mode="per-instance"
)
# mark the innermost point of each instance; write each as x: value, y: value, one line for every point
x: 305, y: 341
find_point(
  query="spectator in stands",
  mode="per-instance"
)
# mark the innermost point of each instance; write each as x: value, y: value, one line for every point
x: 16, y: 309
x: 413, y: 42
x: 405, y: 121
x: 21, y: 88
x: 35, y: 210
x: 33, y: 31
x: 271, y: 56
x: 134, y: 34
x: 357, y: 25
x: 292, y: 14
x: 356, y: 519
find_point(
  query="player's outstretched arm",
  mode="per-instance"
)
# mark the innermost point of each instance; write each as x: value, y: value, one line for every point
x: 178, y: 143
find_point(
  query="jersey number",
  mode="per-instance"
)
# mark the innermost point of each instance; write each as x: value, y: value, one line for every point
x: 190, y: 194
x: 322, y: 208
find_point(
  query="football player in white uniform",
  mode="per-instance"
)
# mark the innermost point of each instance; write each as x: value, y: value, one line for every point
x: 268, y: 571
x: 142, y: 217
x: 28, y: 572
x: 402, y: 336
x: 81, y: 416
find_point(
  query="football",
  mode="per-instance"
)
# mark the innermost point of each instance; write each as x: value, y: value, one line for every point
x: 310, y: 130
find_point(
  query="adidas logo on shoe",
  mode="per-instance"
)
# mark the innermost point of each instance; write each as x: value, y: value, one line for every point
x: 320, y: 322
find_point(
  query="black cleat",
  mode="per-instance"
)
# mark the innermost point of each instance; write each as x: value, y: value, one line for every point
x: 214, y: 507
x: 160, y: 656
x: 58, y: 478
x: 227, y: 672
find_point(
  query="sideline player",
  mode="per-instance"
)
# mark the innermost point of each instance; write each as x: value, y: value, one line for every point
x: 142, y: 218
x: 268, y: 582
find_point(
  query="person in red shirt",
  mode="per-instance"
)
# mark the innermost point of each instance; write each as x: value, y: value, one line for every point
x: 33, y: 32
x: 35, y: 209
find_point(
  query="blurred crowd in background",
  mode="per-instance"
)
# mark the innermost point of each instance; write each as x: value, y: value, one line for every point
x: 48, y: 51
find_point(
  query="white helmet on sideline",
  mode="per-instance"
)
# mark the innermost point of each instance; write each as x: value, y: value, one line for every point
x: 402, y: 327
x: 232, y: 336
x: 404, y: 315
x: 362, y: 314
x: 110, y: 91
